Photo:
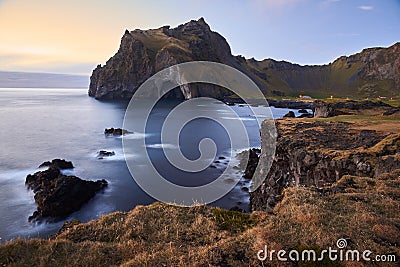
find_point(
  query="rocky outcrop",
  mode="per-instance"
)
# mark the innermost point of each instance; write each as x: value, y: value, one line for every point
x: 290, y: 114
x: 58, y: 195
x: 143, y: 53
x: 104, y: 153
x: 58, y: 163
x: 292, y: 104
x: 391, y: 111
x: 319, y: 153
x: 325, y: 109
x: 115, y: 131
x: 252, y: 155
x: 371, y: 73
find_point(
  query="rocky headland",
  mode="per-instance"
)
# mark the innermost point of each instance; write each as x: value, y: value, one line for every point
x: 374, y: 72
x: 318, y: 153
x: 58, y: 195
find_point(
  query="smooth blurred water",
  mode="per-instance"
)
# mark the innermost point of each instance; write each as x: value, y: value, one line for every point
x: 41, y: 124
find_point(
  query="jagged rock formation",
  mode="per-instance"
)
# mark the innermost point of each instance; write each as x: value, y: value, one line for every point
x: 319, y: 153
x: 115, y: 131
x: 373, y: 72
x: 58, y: 195
x: 143, y: 53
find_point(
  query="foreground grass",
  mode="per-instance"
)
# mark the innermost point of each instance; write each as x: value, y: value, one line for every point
x: 362, y: 210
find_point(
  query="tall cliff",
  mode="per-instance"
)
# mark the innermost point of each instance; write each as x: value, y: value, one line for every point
x: 317, y: 153
x: 370, y: 73
x: 143, y: 53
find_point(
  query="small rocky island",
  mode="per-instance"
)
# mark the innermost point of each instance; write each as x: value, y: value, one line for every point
x: 58, y: 195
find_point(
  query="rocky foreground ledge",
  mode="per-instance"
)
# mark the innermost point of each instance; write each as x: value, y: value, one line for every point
x: 318, y: 153
x: 364, y: 212
x: 58, y: 195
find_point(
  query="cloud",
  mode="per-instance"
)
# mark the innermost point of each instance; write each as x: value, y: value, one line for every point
x: 366, y: 7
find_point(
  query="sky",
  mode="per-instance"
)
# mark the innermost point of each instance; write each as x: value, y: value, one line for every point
x: 74, y: 36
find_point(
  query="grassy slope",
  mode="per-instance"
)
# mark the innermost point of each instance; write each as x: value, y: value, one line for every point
x: 365, y: 212
x: 340, y: 78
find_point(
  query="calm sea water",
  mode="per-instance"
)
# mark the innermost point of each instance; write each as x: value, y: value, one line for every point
x: 41, y: 124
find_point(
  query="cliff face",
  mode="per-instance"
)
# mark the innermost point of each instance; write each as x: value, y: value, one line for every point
x: 318, y: 153
x: 370, y: 73
x: 143, y: 53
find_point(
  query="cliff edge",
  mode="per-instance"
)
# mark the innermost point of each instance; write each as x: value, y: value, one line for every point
x: 143, y: 53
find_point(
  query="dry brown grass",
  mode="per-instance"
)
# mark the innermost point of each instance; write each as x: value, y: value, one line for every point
x: 363, y: 210
x: 368, y: 121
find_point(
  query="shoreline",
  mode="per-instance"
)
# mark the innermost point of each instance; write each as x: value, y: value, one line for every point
x: 343, y: 179
x: 317, y: 214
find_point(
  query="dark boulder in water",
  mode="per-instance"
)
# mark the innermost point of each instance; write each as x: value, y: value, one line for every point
x: 290, y: 114
x: 105, y: 153
x: 58, y: 195
x: 115, y: 131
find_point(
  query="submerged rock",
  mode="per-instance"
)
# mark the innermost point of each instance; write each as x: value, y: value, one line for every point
x: 58, y: 195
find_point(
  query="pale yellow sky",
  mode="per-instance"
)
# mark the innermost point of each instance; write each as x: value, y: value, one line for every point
x: 42, y: 33
x: 73, y: 36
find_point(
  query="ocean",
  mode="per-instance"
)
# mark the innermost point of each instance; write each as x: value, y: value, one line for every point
x: 38, y: 125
